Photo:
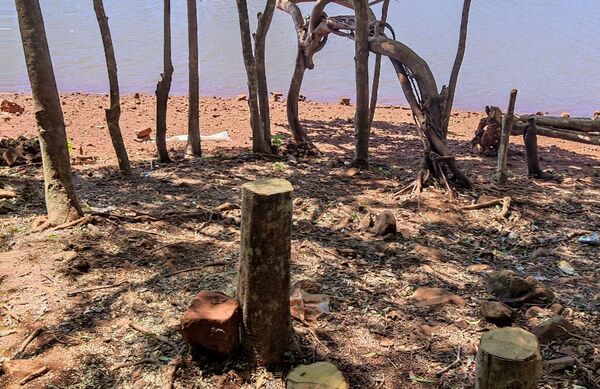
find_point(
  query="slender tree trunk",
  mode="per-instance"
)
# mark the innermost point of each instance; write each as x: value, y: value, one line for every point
x: 460, y: 55
x: 258, y: 141
x: 193, y: 145
x: 377, y: 71
x: 61, y: 202
x: 163, y: 87
x: 362, y: 120
x: 264, y: 22
x: 113, y: 114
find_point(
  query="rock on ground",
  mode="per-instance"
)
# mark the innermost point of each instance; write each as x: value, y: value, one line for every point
x: 212, y: 322
x: 510, y: 288
x: 385, y: 224
x: 497, y: 313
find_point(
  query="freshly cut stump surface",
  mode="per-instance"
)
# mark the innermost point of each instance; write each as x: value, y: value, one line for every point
x: 508, y: 358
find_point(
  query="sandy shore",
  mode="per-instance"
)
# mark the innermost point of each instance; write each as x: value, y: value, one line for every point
x: 84, y: 117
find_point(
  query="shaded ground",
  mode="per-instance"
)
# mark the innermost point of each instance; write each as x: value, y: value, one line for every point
x: 374, y: 334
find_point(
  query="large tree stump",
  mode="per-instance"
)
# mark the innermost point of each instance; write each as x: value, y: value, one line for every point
x: 508, y: 358
x: 264, y: 271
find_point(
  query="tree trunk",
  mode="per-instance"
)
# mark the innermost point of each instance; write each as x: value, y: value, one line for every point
x: 258, y: 141
x: 507, y: 125
x: 163, y: 87
x: 113, y: 114
x: 377, y: 71
x: 508, y: 358
x: 298, y: 132
x: 61, y: 202
x: 264, y: 272
x: 530, y: 138
x: 193, y: 143
x: 362, y: 119
x: 264, y: 22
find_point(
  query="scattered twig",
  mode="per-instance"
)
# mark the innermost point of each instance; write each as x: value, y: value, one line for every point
x: 172, y: 369
x: 130, y: 364
x: 452, y: 365
x: 76, y: 292
x: 11, y: 314
x: 189, y: 269
x: 38, y: 373
x: 483, y: 205
x: 29, y: 339
x: 162, y: 338
x: 505, y: 207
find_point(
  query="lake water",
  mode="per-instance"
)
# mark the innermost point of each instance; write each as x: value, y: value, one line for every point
x: 548, y: 49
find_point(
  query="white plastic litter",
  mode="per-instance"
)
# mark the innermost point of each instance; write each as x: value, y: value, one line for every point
x: 222, y: 136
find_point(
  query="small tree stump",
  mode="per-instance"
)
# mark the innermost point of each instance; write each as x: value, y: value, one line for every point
x: 264, y: 272
x: 508, y: 358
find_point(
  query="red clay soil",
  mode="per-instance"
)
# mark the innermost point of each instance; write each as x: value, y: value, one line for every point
x: 164, y: 219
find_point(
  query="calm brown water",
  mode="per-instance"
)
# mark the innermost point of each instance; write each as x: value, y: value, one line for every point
x: 549, y: 49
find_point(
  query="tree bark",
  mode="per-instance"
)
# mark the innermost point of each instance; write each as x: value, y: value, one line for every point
x: 258, y: 141
x: 508, y: 358
x: 193, y: 143
x: 507, y: 124
x: 113, y: 114
x: 362, y: 119
x: 530, y: 138
x: 377, y: 70
x: 61, y: 201
x: 264, y: 23
x: 264, y: 272
x: 163, y: 87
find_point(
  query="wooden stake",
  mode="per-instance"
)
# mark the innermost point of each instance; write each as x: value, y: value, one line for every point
x: 508, y: 357
x: 530, y: 139
x: 264, y: 272
x: 507, y: 124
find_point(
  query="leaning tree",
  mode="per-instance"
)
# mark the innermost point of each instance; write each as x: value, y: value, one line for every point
x: 113, y: 113
x: 61, y: 201
x: 431, y: 106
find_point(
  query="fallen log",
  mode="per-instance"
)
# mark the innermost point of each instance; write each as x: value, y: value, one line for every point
x: 558, y: 133
x: 584, y: 125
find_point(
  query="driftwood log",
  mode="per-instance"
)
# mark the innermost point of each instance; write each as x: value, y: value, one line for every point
x: 591, y: 138
x: 584, y: 125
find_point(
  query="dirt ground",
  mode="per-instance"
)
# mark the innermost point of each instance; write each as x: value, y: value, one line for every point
x: 159, y: 221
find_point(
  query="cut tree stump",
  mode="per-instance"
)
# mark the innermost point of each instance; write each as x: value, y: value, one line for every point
x: 264, y: 271
x: 508, y: 358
